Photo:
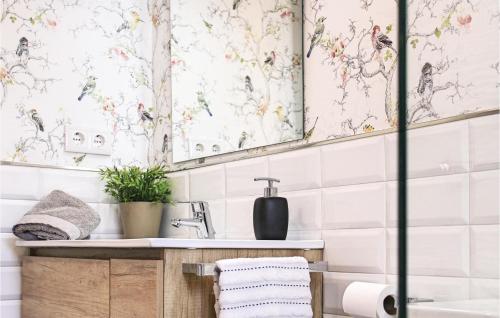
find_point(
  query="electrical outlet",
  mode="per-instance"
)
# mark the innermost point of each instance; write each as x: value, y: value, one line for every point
x: 204, y: 147
x: 87, y: 140
x: 100, y: 143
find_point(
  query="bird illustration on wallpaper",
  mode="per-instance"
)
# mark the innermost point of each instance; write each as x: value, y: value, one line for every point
x: 22, y: 48
x: 270, y: 58
x: 236, y: 3
x: 144, y: 115
x: 380, y: 40
x: 319, y: 29
x: 131, y: 23
x: 79, y: 159
x: 282, y: 116
x: 310, y: 132
x: 425, y: 83
x: 35, y: 118
x: 202, y: 102
x: 248, y: 84
x: 88, y: 88
x: 164, y: 146
x: 242, y: 140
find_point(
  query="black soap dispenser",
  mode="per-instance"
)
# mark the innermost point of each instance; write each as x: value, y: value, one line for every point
x: 270, y: 214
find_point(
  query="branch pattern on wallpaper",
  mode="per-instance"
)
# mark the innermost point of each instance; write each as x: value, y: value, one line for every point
x: 115, y: 55
x: 84, y: 63
x: 351, y: 73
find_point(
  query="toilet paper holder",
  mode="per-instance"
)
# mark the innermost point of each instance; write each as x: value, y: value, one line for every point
x: 391, y: 303
x: 416, y: 300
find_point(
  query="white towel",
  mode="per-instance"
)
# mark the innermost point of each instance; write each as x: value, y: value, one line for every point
x: 262, y: 287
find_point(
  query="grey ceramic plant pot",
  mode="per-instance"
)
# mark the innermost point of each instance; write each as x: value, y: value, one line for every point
x: 141, y: 219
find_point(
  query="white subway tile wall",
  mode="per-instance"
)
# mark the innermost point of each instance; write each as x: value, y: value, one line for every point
x: 344, y: 193
x: 442, y: 200
x: 240, y: 175
x: 23, y: 187
x: 484, y: 241
x: 355, y: 162
x: 355, y: 250
x: 484, y: 197
x: 432, y: 151
x: 207, y: 183
x: 297, y: 170
x: 304, y: 210
x: 354, y: 206
x: 239, y: 217
x: 484, y: 145
x: 433, y: 251
x: 10, y: 308
x: 10, y: 283
x: 19, y: 190
x: 180, y: 186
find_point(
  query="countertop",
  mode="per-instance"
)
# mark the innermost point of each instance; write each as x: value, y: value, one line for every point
x: 177, y: 243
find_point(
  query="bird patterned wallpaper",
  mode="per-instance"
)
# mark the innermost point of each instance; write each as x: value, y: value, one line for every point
x: 257, y: 99
x: 84, y: 64
x: 351, y: 70
x: 107, y: 64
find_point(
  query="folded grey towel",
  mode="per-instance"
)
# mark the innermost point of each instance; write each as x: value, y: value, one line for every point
x: 58, y: 216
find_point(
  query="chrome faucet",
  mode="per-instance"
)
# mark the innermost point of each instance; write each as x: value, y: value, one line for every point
x: 201, y: 220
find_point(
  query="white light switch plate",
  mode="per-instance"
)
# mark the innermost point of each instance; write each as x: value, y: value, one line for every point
x: 87, y: 140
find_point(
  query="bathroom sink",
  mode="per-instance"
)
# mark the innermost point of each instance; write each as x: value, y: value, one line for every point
x: 477, y: 308
x: 178, y: 243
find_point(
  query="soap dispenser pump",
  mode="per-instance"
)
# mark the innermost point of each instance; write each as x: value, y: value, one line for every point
x: 270, y: 213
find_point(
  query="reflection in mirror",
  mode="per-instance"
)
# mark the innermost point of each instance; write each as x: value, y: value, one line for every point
x: 236, y: 75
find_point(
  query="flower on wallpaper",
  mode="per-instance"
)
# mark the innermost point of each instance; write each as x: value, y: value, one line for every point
x: 36, y: 14
x: 118, y: 53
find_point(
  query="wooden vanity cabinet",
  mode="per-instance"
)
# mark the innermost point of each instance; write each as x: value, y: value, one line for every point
x: 123, y: 283
x: 68, y: 287
x: 63, y: 287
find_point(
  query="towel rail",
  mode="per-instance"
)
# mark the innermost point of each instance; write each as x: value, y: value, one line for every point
x: 207, y: 269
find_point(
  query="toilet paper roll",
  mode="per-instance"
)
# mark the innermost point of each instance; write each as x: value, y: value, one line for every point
x: 369, y: 300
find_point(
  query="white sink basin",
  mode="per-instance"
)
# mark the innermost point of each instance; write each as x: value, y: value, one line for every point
x: 477, y: 308
x: 178, y: 243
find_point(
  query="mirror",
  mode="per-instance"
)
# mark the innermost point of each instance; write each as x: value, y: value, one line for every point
x: 237, y: 75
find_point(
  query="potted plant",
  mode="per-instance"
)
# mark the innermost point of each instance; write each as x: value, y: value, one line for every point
x: 141, y: 194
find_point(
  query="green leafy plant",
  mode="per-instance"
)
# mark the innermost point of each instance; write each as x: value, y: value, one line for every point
x: 133, y: 184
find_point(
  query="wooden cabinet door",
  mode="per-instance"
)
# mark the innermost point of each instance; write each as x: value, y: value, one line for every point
x: 136, y: 288
x: 63, y: 287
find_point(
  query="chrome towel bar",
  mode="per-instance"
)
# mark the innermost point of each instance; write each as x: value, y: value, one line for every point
x: 207, y: 269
